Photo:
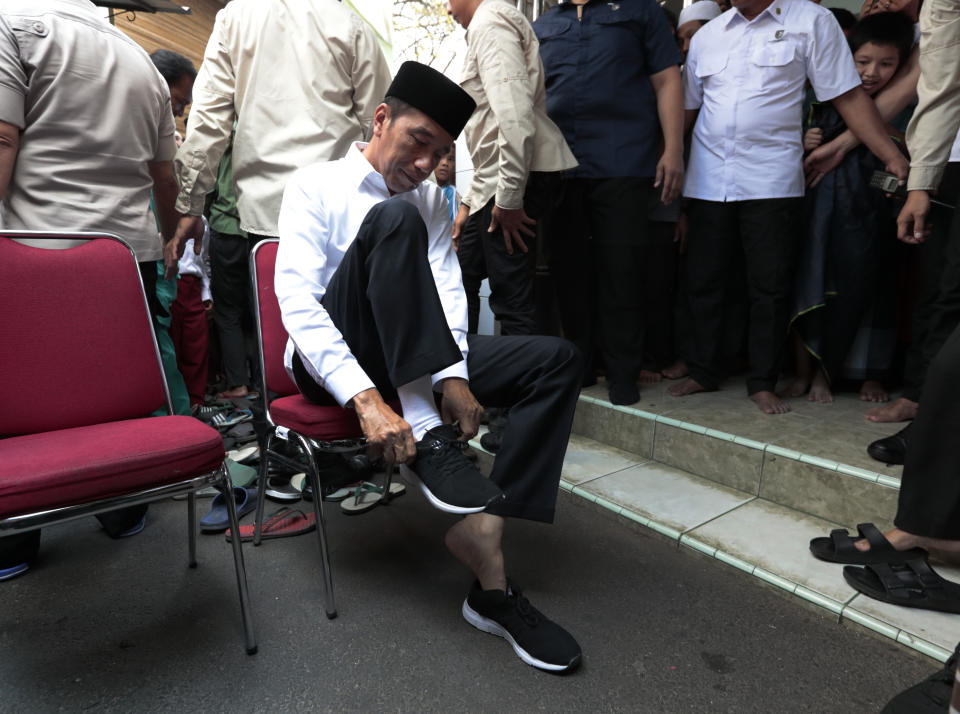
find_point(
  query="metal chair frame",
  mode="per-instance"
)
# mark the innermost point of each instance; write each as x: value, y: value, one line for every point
x: 220, y: 478
x: 306, y: 445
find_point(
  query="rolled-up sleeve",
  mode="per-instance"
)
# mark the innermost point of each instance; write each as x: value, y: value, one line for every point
x: 211, y: 122
x: 446, y: 273
x: 301, y: 258
x: 506, y: 82
x: 13, y: 79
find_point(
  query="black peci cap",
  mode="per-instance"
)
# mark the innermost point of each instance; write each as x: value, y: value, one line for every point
x: 435, y: 95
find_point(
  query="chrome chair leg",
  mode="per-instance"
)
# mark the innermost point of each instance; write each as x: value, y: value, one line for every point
x: 314, y: 475
x: 226, y: 487
x: 192, y: 528
x: 264, y: 471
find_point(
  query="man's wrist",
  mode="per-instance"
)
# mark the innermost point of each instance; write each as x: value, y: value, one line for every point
x: 364, y: 400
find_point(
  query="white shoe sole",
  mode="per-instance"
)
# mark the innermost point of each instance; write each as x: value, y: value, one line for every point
x: 487, y: 625
x: 410, y: 475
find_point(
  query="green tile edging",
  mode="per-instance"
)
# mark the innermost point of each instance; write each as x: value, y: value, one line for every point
x: 843, y: 611
x: 828, y: 464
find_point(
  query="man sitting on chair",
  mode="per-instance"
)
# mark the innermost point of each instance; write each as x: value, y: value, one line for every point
x: 371, y: 295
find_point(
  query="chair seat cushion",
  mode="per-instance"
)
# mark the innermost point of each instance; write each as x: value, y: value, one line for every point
x: 88, y: 463
x: 326, y: 423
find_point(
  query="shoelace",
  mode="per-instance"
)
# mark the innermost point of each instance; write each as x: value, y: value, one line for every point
x: 443, y: 450
x: 525, y: 609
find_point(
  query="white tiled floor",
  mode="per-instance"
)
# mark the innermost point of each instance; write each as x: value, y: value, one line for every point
x: 667, y: 495
x: 586, y: 459
x: 777, y: 539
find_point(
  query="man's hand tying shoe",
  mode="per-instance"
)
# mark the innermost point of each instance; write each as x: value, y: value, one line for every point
x: 388, y: 436
x: 459, y: 405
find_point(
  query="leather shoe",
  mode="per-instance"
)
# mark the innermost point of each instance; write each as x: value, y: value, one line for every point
x: 892, y: 449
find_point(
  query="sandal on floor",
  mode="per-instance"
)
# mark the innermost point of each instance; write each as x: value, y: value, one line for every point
x: 218, y: 520
x: 282, y: 524
x: 839, y: 548
x: 367, y: 496
x: 911, y: 584
x: 228, y: 419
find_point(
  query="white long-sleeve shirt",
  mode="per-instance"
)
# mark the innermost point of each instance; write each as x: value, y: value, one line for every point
x: 322, y: 209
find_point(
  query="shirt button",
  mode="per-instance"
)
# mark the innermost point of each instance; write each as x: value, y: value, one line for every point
x: 39, y: 28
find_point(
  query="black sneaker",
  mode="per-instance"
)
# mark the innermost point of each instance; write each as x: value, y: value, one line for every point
x: 491, y: 441
x: 931, y: 696
x: 537, y: 640
x: 450, y: 481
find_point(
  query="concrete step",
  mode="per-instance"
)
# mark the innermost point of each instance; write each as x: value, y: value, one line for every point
x: 733, y: 503
x: 812, y: 460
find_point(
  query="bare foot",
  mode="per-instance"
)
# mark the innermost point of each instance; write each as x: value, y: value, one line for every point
x: 900, y: 410
x: 873, y: 391
x: 947, y: 551
x: 687, y: 386
x: 769, y: 403
x: 820, y: 389
x: 649, y: 377
x: 678, y: 370
x: 798, y: 387
x: 234, y: 393
x: 475, y: 542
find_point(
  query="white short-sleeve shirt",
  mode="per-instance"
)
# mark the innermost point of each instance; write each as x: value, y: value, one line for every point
x: 747, y: 79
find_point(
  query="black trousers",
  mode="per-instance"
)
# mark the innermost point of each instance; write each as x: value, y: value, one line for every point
x: 938, y: 310
x: 769, y: 231
x: 484, y: 255
x: 232, y: 305
x: 384, y: 301
x: 600, y: 251
x: 929, y: 502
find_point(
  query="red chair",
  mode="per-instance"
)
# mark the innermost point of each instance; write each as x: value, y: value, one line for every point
x: 312, y: 429
x: 79, y: 370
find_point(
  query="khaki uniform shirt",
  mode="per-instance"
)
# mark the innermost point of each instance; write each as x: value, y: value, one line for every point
x: 509, y: 134
x: 93, y: 111
x: 300, y: 77
x: 937, y: 116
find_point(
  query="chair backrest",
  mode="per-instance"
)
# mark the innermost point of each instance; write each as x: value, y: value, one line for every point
x: 76, y: 339
x: 271, y: 333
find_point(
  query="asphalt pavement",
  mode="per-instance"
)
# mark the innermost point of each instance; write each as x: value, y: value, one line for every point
x: 125, y: 626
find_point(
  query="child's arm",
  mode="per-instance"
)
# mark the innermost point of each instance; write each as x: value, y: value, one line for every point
x: 812, y: 138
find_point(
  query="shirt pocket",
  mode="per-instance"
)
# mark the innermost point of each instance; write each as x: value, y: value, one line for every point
x: 710, y: 65
x: 770, y: 64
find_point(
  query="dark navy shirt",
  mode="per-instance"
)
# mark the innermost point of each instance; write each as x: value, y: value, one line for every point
x: 598, y: 82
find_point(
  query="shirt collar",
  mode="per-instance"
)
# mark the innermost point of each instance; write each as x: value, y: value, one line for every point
x: 775, y: 10
x: 360, y: 170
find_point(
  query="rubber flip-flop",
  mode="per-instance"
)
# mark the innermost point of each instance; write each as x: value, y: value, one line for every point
x: 280, y: 489
x: 840, y: 548
x: 227, y: 420
x: 299, y: 482
x: 367, y: 496
x: 218, y: 520
x: 240, y: 474
x: 911, y: 584
x: 282, y: 524
x: 13, y: 571
x: 244, y: 454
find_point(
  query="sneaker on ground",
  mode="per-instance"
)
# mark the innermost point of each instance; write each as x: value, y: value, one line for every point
x: 450, y: 481
x: 491, y: 441
x: 538, y: 641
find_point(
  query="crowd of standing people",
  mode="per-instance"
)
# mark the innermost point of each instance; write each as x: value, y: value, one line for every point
x: 707, y: 191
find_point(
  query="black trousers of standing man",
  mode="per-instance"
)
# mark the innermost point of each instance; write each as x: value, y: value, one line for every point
x: 483, y: 254
x: 930, y: 488
x: 770, y: 231
x: 383, y: 299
